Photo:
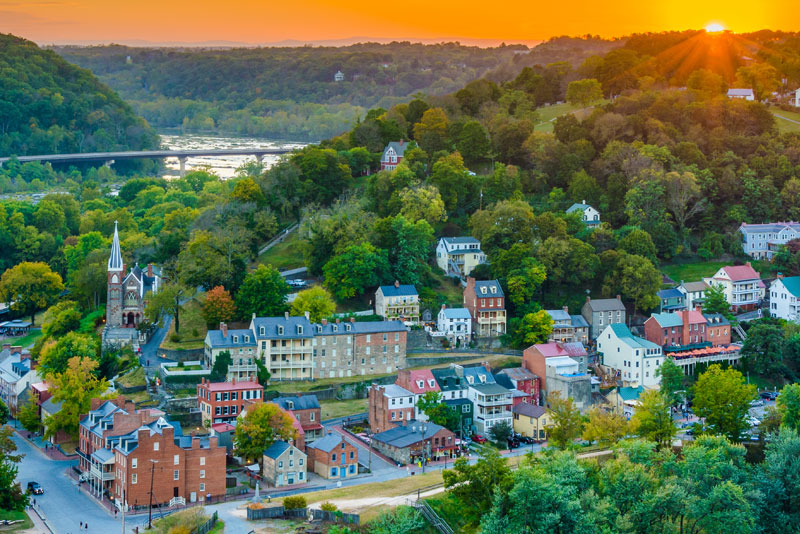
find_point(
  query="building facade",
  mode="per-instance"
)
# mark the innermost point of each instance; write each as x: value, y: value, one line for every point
x: 457, y: 256
x: 694, y: 293
x: 741, y: 284
x: 398, y: 302
x: 762, y: 241
x: 784, y: 299
x: 307, y: 411
x: 635, y: 360
x: 389, y: 406
x: 486, y: 304
x: 568, y: 328
x: 16, y: 375
x: 415, y: 441
x: 456, y: 323
x: 392, y: 154
x: 222, y: 402
x: 589, y: 215
x: 284, y: 465
x: 530, y: 421
x: 600, y: 313
x: 333, y: 457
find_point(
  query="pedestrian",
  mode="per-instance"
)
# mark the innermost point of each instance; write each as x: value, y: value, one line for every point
x: 81, y: 524
x: 86, y: 526
x: 34, y: 502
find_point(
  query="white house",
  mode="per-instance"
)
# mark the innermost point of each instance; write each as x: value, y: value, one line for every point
x: 339, y: 76
x: 590, y: 216
x: 784, y: 301
x: 741, y: 94
x: 764, y: 240
x: 634, y: 359
x: 456, y: 323
x: 796, y: 99
x: 397, y: 302
x: 694, y: 293
x: 457, y: 256
x: 743, y: 287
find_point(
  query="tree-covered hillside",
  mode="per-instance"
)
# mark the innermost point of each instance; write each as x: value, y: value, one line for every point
x: 50, y: 106
x: 291, y: 92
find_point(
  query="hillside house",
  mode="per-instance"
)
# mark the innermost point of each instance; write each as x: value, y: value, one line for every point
x: 762, y: 241
x: 694, y: 293
x: 307, y: 411
x: 741, y: 94
x: 393, y: 155
x: 633, y: 359
x: 568, y: 328
x: 333, y: 457
x: 671, y: 300
x: 486, y: 304
x: 589, y: 215
x: 397, y: 302
x: 742, y: 285
x: 457, y: 256
x: 785, y: 298
x: 600, y: 313
x: 389, y: 406
x: 284, y: 465
x: 456, y: 323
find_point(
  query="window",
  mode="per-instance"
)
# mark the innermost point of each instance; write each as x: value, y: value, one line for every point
x: 261, y: 330
x: 333, y: 457
x: 202, y: 473
x: 334, y: 471
x: 280, y: 330
x: 202, y: 487
x: 397, y: 336
x: 352, y: 455
x: 300, y: 475
x: 176, y: 475
x: 311, y: 416
x: 202, y: 460
x: 176, y: 459
x: 291, y: 463
x: 134, y: 463
x: 280, y: 464
x: 155, y: 446
x: 134, y: 478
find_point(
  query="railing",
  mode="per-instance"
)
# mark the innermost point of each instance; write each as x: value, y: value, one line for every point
x: 103, y: 475
x: 432, y: 517
x: 177, y: 500
x: 206, y: 527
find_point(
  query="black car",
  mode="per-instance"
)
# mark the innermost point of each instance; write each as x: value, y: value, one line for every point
x: 35, y: 488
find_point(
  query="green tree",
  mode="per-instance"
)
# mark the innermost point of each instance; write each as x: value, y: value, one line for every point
x: 397, y: 521
x: 56, y: 355
x: 167, y: 302
x: 671, y: 381
x: 263, y: 424
x: 74, y: 388
x: 61, y: 318
x: 30, y: 287
x: 452, y: 180
x: 500, y: 432
x: 422, y: 203
x: 408, y: 246
x: 762, y: 351
x: 788, y: 405
x: 778, y: 481
x: 317, y: 301
x: 263, y: 293
x: 218, y: 307
x: 636, y: 279
x: 723, y: 399
x: 358, y: 268
x: 532, y: 328
x: 569, y: 261
x: 473, y: 142
x: 431, y: 131
x: 652, y: 419
x: 478, y: 483
x: 11, y: 496
x: 325, y: 174
x: 4, y: 413
x: 584, y: 93
x: 247, y: 190
x: 28, y: 415
x: 219, y: 371
x: 715, y: 302
x: 640, y: 243
x: 604, y: 427
x: 217, y: 258
x: 761, y: 77
x: 565, y: 422
x: 503, y: 225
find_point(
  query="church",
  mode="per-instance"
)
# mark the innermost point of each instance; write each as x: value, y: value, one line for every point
x: 127, y: 294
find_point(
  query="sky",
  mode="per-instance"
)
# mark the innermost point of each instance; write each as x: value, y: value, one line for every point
x: 470, y: 21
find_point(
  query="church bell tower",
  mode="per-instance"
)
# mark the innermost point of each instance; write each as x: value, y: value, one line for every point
x: 116, y: 271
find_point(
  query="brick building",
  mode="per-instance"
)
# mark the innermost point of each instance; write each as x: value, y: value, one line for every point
x: 349, y: 348
x: 686, y: 328
x: 520, y: 379
x: 222, y: 402
x: 419, y: 382
x: 415, y: 441
x: 121, y: 450
x: 307, y: 411
x: 333, y: 457
x: 389, y: 406
x: 486, y: 304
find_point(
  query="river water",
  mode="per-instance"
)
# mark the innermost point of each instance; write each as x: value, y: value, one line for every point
x: 222, y: 166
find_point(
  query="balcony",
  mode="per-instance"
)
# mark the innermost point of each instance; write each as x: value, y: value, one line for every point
x: 492, y: 416
x: 494, y: 402
x: 102, y: 475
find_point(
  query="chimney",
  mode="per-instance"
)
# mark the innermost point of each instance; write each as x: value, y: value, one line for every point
x: 286, y: 315
x: 308, y: 315
x: 780, y: 276
x: 324, y: 322
x: 233, y: 380
x: 444, y: 306
x: 352, y: 319
x: 224, y: 328
x: 24, y: 355
x: 150, y: 270
x: 583, y: 202
x: 565, y: 308
x: 254, y: 315
x: 16, y: 349
x: 699, y: 308
x: 397, y: 283
x: 588, y: 298
x: 337, y: 320
x: 749, y: 264
x: 619, y: 297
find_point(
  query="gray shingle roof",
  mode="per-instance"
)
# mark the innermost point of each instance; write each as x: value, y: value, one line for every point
x: 406, y: 435
x: 403, y: 290
x: 490, y: 389
x: 216, y: 340
x: 606, y: 305
x: 290, y: 331
x: 529, y: 410
x: 488, y: 284
x: 456, y: 313
x: 359, y: 327
x: 327, y: 443
x: 398, y: 146
x: 306, y: 402
x: 276, y: 449
x: 448, y: 380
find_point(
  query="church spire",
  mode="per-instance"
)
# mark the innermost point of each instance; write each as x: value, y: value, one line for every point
x: 115, y: 260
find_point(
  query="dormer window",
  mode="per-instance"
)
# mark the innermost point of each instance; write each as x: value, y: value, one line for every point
x: 420, y: 384
x: 319, y: 328
x: 235, y: 339
x: 483, y: 379
x: 299, y: 329
x: 431, y: 383
x: 470, y: 379
x: 290, y: 405
x: 336, y: 328
x: 494, y: 289
x: 347, y: 327
x: 261, y: 331
x: 483, y: 290
x: 247, y: 339
x: 280, y: 330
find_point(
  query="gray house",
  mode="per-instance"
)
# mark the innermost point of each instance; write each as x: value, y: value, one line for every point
x: 284, y: 465
x: 600, y: 313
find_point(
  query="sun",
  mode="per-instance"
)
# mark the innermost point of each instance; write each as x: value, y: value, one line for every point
x: 715, y: 28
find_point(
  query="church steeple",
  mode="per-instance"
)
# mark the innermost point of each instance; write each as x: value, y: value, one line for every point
x: 115, y: 260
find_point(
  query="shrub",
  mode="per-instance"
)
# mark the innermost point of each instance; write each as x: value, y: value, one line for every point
x: 195, y: 333
x: 175, y: 338
x: 294, y: 503
x: 329, y: 507
x: 180, y: 364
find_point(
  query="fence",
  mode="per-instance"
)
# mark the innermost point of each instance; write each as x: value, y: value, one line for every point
x: 432, y: 517
x: 273, y: 512
x: 206, y: 527
x: 337, y: 517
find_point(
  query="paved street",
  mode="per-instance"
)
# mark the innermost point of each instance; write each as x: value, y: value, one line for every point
x: 62, y: 504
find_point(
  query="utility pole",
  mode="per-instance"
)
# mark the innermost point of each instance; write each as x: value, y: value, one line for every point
x: 150, y: 504
x: 369, y: 445
x: 123, y: 507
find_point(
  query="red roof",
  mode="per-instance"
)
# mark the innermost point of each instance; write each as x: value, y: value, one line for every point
x: 696, y: 317
x: 550, y: 350
x: 222, y: 427
x: 296, y: 423
x: 741, y: 272
x: 231, y: 386
x: 424, y: 375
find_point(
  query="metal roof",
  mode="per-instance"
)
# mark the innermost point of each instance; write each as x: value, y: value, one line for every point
x: 295, y: 402
x: 327, y: 443
x: 215, y: 339
x: 456, y: 313
x: 402, y: 290
x: 529, y: 410
x: 276, y: 449
x: 115, y: 259
x: 606, y: 305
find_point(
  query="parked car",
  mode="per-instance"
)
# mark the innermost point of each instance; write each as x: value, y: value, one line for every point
x: 477, y: 438
x: 35, y: 488
x: 769, y: 395
x: 757, y: 402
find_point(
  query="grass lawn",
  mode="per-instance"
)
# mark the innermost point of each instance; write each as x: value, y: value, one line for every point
x: 287, y: 254
x: 191, y: 323
x: 24, y: 341
x: 15, y: 516
x: 692, y: 272
x: 549, y: 113
x: 332, y: 409
x: 449, y: 288
x: 138, y: 397
x: 132, y: 379
x: 784, y: 125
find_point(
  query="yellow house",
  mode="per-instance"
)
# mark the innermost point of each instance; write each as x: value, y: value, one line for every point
x: 530, y: 420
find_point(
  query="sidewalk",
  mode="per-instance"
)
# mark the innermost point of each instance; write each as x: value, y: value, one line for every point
x: 52, y: 451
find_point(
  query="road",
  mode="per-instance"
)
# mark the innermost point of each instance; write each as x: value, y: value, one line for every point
x: 63, y: 505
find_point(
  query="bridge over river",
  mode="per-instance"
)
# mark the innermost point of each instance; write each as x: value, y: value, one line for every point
x: 110, y: 157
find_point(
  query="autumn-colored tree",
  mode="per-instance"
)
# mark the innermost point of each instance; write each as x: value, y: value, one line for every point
x: 317, y: 301
x: 262, y: 425
x: 30, y: 287
x: 218, y: 307
x: 652, y: 419
x: 565, y: 420
x: 606, y: 428
x: 584, y: 93
x: 74, y: 388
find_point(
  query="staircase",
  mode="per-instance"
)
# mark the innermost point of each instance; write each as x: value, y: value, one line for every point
x: 432, y: 517
x: 738, y: 329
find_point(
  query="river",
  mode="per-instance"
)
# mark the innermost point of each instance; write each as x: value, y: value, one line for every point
x: 222, y: 166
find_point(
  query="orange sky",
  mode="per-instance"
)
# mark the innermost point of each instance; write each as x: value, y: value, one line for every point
x: 266, y: 21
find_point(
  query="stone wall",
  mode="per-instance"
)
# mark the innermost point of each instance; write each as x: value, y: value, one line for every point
x: 430, y: 360
x: 181, y: 355
x: 350, y: 390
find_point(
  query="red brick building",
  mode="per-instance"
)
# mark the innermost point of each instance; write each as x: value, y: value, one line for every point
x: 121, y: 450
x: 222, y: 402
x: 389, y: 406
x: 415, y: 441
x: 306, y: 409
x: 520, y: 380
x: 332, y: 457
x: 486, y: 304
x: 687, y: 327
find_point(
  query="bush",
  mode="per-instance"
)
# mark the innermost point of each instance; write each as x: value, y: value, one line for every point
x: 329, y: 507
x: 175, y: 338
x: 195, y: 333
x: 180, y: 364
x: 296, y: 502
